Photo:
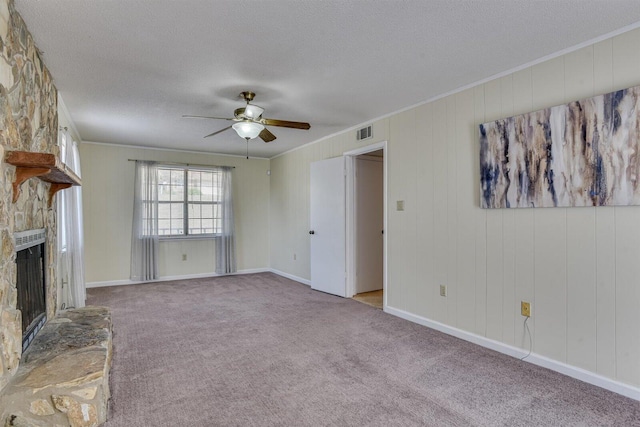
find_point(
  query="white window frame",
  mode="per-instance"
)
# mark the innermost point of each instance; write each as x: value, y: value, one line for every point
x: 185, y: 203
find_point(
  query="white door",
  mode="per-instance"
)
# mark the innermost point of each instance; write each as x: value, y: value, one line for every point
x: 369, y: 224
x: 327, y: 219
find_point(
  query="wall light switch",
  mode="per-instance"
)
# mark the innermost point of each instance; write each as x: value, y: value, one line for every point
x: 184, y: 257
x: 400, y: 205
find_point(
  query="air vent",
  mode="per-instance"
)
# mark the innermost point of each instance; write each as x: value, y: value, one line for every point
x: 364, y: 133
x: 29, y: 238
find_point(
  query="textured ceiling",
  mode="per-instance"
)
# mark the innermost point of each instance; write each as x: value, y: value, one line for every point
x: 128, y: 69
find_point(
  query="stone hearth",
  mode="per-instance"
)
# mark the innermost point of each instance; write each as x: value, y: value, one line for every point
x: 63, y: 377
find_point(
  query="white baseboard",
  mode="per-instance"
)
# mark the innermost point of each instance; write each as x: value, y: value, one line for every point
x: 109, y: 283
x: 291, y: 276
x: 571, y: 371
x: 169, y: 278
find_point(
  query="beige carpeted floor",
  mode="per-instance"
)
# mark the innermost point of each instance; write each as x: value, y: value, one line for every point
x: 261, y: 350
x: 374, y: 298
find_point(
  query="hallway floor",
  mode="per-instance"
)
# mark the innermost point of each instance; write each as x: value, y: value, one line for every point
x: 373, y: 298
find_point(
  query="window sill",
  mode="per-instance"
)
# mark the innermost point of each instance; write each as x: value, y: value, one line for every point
x: 172, y: 238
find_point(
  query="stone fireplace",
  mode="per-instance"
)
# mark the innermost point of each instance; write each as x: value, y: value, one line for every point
x: 62, y: 377
x: 28, y: 122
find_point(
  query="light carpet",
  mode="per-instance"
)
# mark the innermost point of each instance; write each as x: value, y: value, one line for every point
x: 262, y: 350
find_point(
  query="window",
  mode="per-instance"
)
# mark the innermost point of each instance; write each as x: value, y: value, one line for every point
x: 189, y: 201
x: 62, y: 229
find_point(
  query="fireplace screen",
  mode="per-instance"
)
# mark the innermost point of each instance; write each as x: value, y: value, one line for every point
x: 31, y: 283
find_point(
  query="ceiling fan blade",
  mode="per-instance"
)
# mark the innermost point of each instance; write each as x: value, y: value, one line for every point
x: 184, y: 116
x: 217, y: 132
x: 285, y: 124
x: 266, y: 135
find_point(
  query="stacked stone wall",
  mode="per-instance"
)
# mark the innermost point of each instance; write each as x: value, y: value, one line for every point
x: 28, y: 122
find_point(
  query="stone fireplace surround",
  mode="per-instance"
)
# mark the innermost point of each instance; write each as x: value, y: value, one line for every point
x: 62, y: 377
x: 29, y: 122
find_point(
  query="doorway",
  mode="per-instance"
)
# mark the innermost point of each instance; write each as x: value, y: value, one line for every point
x: 366, y: 219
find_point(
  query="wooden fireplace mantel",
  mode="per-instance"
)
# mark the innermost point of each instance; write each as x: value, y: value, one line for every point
x: 45, y: 166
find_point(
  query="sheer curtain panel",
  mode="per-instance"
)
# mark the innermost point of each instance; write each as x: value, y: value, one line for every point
x: 225, y: 242
x: 144, y: 237
x: 70, y: 231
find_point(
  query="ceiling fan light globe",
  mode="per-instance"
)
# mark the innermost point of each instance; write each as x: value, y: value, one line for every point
x: 248, y: 130
x: 253, y: 111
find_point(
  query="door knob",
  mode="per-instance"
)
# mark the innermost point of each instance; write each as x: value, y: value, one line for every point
x: 312, y: 232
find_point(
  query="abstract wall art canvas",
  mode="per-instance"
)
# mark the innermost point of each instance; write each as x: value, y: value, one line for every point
x: 585, y: 153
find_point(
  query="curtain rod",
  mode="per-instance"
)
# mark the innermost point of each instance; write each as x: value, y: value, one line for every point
x: 183, y: 164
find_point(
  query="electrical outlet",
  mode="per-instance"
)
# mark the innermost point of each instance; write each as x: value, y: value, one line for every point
x: 443, y: 290
x: 184, y: 257
x: 400, y: 205
x: 525, y: 309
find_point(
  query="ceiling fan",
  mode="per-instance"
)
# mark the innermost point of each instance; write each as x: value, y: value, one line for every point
x: 249, y: 121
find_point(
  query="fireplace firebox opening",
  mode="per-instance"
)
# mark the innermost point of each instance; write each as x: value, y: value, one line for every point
x: 31, y: 282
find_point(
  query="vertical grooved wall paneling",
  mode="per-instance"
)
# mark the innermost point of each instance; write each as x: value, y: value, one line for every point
x: 578, y: 267
x: 494, y: 230
x: 524, y: 254
x: 402, y: 227
x: 626, y: 69
x: 508, y: 234
x: 581, y: 238
x: 550, y: 237
x: 439, y: 202
x: 427, y: 292
x: 480, y: 219
x: 452, y: 208
x: 605, y: 239
x: 465, y: 201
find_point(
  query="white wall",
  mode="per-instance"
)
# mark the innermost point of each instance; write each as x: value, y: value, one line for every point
x: 578, y: 267
x: 289, y: 214
x: 369, y: 223
x: 107, y: 191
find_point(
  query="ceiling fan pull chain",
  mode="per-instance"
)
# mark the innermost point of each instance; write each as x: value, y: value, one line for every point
x: 247, y: 148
